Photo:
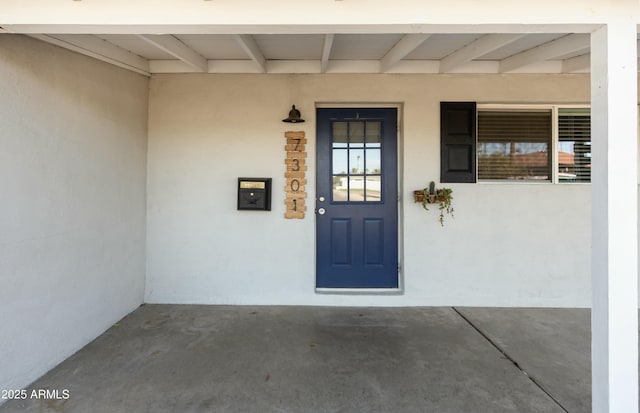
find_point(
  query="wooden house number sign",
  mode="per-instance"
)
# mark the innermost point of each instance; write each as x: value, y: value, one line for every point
x: 295, y: 175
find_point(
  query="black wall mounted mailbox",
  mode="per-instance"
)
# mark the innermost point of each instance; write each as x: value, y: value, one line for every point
x: 254, y: 194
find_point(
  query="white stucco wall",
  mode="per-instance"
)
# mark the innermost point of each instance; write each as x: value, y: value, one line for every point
x: 72, y: 217
x: 509, y: 244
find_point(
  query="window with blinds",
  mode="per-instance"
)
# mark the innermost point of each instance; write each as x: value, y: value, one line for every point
x: 514, y: 145
x: 574, y: 145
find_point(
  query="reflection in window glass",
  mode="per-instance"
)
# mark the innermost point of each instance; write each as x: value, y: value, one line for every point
x: 356, y: 188
x: 373, y: 189
x: 372, y: 165
x: 514, y: 145
x: 340, y: 188
x: 340, y: 161
x: 574, y: 145
x: 356, y: 161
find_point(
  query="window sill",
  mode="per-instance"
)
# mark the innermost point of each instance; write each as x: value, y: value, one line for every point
x: 531, y: 183
x: 360, y: 291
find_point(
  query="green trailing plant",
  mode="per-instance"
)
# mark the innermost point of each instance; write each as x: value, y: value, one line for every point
x: 441, y: 196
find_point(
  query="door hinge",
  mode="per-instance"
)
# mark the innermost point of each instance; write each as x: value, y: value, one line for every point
x: 399, y: 268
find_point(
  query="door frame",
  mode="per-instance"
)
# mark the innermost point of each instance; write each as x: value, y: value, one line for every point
x: 399, y: 106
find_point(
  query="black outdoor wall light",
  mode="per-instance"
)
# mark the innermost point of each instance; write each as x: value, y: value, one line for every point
x: 294, y: 116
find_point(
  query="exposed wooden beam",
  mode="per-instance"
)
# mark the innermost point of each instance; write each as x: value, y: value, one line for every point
x: 480, y: 47
x: 343, y: 66
x: 577, y: 63
x: 249, y: 45
x: 100, y: 49
x: 177, y: 49
x: 326, y: 51
x: 405, y: 46
x: 562, y: 46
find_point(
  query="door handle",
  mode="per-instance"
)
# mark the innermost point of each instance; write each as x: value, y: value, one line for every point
x: 321, y: 211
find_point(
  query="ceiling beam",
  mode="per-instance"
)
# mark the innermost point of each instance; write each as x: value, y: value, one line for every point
x: 177, y: 49
x: 478, y: 48
x: 555, y: 48
x: 249, y: 45
x: 405, y: 46
x: 326, y: 52
x: 575, y: 64
x: 343, y: 66
x: 100, y: 49
x: 136, y: 27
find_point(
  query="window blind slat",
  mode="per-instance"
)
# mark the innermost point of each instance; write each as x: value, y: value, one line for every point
x: 514, y: 145
x: 574, y: 145
x: 499, y: 126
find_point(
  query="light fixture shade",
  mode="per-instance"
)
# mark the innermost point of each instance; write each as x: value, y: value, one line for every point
x: 294, y: 116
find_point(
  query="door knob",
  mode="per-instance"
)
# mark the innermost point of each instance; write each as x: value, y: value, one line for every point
x: 321, y: 211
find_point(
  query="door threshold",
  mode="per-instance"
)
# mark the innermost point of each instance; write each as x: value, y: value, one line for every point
x: 360, y: 291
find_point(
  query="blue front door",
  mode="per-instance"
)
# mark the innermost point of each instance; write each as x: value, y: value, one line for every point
x: 357, y: 198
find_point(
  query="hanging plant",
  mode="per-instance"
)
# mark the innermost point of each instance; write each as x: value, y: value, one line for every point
x: 444, y: 197
x: 440, y: 196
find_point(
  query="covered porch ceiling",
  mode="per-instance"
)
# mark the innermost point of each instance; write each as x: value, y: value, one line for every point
x: 335, y: 52
x: 304, y: 50
x: 323, y: 36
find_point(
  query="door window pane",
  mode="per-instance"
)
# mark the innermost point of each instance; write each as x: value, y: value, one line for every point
x: 340, y: 188
x: 373, y: 133
x: 340, y: 161
x: 356, y: 134
x: 356, y: 188
x: 373, y: 189
x: 372, y: 165
x: 356, y: 161
x: 340, y: 132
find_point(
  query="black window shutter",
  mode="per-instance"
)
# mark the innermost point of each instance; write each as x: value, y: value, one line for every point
x: 457, y: 142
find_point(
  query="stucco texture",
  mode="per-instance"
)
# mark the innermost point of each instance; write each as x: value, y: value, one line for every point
x: 518, y: 244
x: 73, y: 148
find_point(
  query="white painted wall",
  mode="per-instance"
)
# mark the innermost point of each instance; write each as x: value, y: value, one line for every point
x: 509, y: 245
x: 149, y: 16
x: 72, y: 217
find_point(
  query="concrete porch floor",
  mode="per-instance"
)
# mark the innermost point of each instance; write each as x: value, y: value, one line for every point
x: 187, y: 358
